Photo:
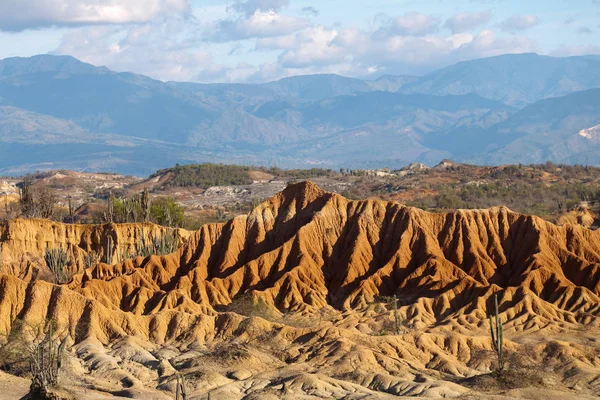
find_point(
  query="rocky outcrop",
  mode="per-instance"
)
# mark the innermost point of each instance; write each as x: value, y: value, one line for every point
x: 306, y: 249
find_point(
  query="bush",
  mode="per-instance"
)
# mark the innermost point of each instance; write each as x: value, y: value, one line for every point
x: 36, y: 201
x: 206, y: 175
x: 165, y: 211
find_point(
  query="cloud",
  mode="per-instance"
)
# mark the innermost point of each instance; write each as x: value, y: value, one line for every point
x: 409, y: 24
x: 18, y: 15
x: 584, y: 30
x: 518, y: 23
x: 385, y: 51
x: 254, y: 19
x: 181, y: 49
x: 250, y: 7
x: 310, y: 11
x: 165, y: 50
x: 258, y: 25
x: 464, y: 22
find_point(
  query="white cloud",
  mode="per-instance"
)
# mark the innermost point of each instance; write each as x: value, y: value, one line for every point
x: 16, y: 15
x: 464, y: 22
x: 386, y: 52
x: 518, y: 23
x: 314, y: 46
x: 179, y: 48
x: 162, y: 50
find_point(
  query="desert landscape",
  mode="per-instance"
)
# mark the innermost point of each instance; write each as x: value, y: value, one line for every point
x: 311, y: 295
x: 299, y: 199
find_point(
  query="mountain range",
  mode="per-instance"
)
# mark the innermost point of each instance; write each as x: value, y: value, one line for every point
x: 58, y: 112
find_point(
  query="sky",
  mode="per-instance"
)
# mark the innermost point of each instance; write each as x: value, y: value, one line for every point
x: 264, y: 40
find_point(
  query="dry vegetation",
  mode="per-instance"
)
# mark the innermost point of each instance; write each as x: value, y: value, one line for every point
x: 192, y: 195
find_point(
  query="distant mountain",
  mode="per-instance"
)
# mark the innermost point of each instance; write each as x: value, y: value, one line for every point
x: 376, y: 129
x: 57, y: 111
x: 100, y: 100
x: 564, y: 130
x: 319, y: 87
x: 22, y: 126
x: 514, y: 79
x: 18, y: 66
x: 30, y: 141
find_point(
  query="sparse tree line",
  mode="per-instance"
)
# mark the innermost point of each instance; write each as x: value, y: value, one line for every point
x: 208, y: 175
x: 140, y: 208
x: 41, y: 201
x: 535, y: 198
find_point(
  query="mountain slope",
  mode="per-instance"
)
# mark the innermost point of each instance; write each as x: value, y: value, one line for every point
x: 326, y: 120
x: 515, y: 79
x: 379, y: 129
x: 100, y: 100
x: 561, y: 129
x: 31, y: 141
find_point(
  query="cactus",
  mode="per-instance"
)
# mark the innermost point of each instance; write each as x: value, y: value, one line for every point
x: 497, y: 334
x: 71, y: 217
x: 164, y: 243
x: 109, y: 215
x: 109, y: 250
x: 46, y: 362
x: 181, y: 390
x: 91, y: 259
x: 397, y: 322
x: 145, y: 205
x: 58, y: 261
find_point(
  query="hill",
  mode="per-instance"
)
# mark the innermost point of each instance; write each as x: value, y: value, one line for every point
x: 129, y: 123
x: 227, y: 308
x: 514, y: 79
x: 561, y: 129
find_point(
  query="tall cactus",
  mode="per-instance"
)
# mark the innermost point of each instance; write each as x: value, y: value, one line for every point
x: 497, y: 334
x: 58, y: 261
x: 71, y: 217
x: 109, y: 250
x: 145, y: 204
x: 397, y: 322
x: 109, y: 215
x: 46, y: 362
x: 181, y: 389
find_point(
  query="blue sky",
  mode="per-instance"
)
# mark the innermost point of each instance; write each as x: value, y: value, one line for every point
x: 262, y: 40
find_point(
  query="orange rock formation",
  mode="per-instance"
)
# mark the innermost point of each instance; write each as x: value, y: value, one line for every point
x: 305, y: 251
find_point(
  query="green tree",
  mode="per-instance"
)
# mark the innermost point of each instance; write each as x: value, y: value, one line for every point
x: 165, y: 211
